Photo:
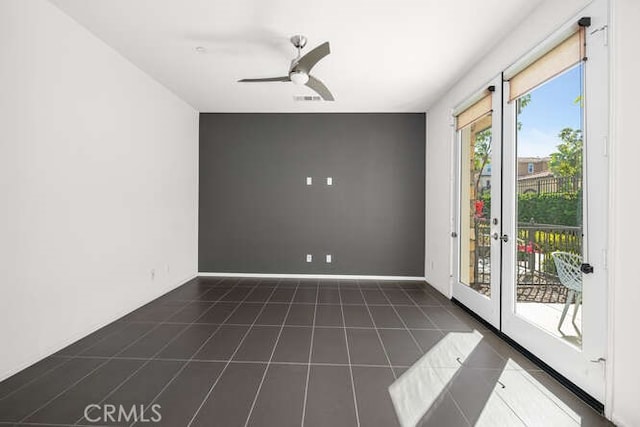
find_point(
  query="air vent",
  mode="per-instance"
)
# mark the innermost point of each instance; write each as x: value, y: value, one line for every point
x: 306, y: 98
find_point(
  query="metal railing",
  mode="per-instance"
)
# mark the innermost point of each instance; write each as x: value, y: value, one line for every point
x: 535, y: 244
x: 562, y: 184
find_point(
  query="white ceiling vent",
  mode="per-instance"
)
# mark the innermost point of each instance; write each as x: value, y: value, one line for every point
x: 306, y: 98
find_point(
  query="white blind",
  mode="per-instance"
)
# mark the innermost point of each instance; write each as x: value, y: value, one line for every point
x: 474, y: 112
x: 560, y: 58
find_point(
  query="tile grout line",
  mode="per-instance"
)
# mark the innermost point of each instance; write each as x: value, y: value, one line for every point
x: 273, y: 351
x: 45, y: 373
x: 153, y: 357
x: 212, y: 288
x: 384, y: 349
x: 69, y: 358
x: 108, y: 359
x: 276, y: 325
x: 188, y: 301
x: 313, y: 330
x: 346, y: 340
x: 451, y: 313
x: 213, y: 386
x: 264, y: 362
x: 537, y: 385
x: 415, y: 304
x: 35, y: 424
x: 264, y: 324
x: 513, y: 410
x: 412, y: 293
x: 406, y: 328
x: 448, y: 390
x: 198, y: 349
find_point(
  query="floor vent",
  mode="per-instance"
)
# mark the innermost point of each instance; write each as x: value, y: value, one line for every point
x: 306, y: 98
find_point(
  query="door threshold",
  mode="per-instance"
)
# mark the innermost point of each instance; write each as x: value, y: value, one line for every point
x: 580, y: 393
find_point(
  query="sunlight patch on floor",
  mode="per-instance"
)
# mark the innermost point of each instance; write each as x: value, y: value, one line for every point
x: 418, y: 388
x: 533, y: 403
x: 516, y: 397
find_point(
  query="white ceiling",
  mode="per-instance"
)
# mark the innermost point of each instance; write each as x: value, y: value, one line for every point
x: 387, y: 55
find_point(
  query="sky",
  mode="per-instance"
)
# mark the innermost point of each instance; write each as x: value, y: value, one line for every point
x: 552, y: 108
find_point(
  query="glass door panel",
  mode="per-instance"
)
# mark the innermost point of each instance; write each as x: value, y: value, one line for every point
x: 475, y: 207
x: 548, y: 183
x: 554, y: 211
x: 477, y: 254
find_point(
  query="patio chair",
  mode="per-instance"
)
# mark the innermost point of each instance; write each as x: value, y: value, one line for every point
x: 568, y: 268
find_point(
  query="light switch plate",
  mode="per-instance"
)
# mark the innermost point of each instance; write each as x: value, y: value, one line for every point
x: 309, y: 180
x: 329, y: 180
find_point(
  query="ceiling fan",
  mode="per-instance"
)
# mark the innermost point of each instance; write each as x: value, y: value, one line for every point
x: 301, y: 67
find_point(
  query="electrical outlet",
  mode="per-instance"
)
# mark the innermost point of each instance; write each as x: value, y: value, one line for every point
x: 327, y: 258
x: 329, y: 180
x: 309, y: 180
x: 153, y: 274
x: 309, y: 258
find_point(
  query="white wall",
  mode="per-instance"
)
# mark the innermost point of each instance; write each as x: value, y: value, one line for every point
x: 624, y: 371
x: 624, y: 220
x: 98, y: 184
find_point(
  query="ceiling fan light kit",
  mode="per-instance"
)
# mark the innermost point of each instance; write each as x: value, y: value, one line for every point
x: 299, y: 71
x: 299, y: 77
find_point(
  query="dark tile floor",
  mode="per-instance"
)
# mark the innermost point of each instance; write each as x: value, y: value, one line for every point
x: 245, y: 352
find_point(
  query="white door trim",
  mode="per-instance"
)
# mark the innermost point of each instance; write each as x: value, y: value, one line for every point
x: 485, y: 307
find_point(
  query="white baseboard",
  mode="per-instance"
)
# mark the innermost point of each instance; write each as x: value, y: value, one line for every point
x: 313, y: 276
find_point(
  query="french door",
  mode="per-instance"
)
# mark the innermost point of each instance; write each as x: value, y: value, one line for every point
x: 530, y: 252
x: 478, y: 164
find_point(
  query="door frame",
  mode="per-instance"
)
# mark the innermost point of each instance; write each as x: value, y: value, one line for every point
x: 584, y: 367
x: 486, y: 307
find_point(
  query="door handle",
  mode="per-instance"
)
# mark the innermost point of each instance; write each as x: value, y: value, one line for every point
x: 586, y: 268
x: 504, y: 237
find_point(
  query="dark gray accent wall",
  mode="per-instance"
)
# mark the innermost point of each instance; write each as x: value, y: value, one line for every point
x: 257, y: 215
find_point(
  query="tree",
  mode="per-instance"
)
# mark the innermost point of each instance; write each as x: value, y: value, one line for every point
x: 567, y: 161
x: 521, y: 103
x: 482, y: 144
x: 482, y: 154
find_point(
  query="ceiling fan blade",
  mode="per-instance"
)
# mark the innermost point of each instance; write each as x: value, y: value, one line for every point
x: 308, y: 61
x: 268, y: 79
x: 320, y: 88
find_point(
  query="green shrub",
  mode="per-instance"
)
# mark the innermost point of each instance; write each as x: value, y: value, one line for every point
x: 544, y: 208
x: 550, y: 208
